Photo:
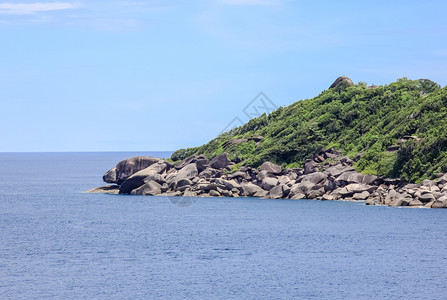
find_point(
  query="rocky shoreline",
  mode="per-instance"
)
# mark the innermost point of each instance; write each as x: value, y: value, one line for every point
x: 327, y: 176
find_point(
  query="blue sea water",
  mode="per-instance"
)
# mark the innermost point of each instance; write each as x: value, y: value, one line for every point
x: 57, y: 242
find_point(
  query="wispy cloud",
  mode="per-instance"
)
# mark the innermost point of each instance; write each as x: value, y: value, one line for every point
x: 31, y: 8
x: 250, y: 2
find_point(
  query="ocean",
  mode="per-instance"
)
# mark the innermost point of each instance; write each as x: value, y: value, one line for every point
x: 57, y: 242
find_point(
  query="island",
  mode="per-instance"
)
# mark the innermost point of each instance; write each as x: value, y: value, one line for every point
x: 384, y: 145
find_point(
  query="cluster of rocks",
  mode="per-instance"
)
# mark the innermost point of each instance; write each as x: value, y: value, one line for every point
x: 327, y: 176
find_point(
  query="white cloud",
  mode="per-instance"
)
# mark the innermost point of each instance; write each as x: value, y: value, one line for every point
x: 31, y: 8
x: 250, y: 2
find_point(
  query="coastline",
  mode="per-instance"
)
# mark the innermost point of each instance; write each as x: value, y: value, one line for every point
x: 327, y: 176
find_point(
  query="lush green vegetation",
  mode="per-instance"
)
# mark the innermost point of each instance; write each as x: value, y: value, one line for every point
x: 353, y: 119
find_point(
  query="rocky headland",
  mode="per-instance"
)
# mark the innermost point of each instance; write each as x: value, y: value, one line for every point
x: 396, y: 130
x: 326, y: 176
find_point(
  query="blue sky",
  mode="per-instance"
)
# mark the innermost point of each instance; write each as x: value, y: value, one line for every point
x: 161, y: 75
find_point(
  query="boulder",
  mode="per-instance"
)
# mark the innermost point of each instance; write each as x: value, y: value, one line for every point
x: 427, y: 183
x: 360, y: 188
x: 342, y: 79
x: 298, y: 196
x: 151, y: 188
x: 315, y: 193
x: 329, y: 185
x: 170, y: 178
x: 214, y: 193
x: 369, y: 179
x: 126, y: 168
x: 397, y: 202
x: 207, y: 186
x: 271, y: 168
x: 292, y: 174
x: 269, y: 182
x: 310, y: 166
x: 155, y: 177
x: 130, y: 166
x: 108, y: 189
x: 442, y: 179
x: 187, y: 172
x: 224, y: 192
x: 427, y: 197
x: 277, y: 192
x: 261, y: 194
x: 284, y: 179
x: 210, y: 173
x: 250, y: 189
x: 301, y: 188
x: 159, y: 167
x: 391, y: 196
x: 202, y: 164
x: 361, y: 196
x: 350, y: 177
x: 183, y: 182
x: 327, y: 197
x: 189, y: 160
x: 229, y: 184
x: 110, y: 176
x: 239, y: 174
x: 439, y: 204
x: 262, y: 175
x: 131, y: 183
x: 315, y: 178
x: 415, y: 202
x: 337, y: 170
x: 219, y: 162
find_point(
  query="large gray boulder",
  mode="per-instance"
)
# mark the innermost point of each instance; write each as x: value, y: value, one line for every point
x: 126, y: 168
x: 151, y: 188
x: 151, y: 173
x: 427, y: 197
x: 131, y: 183
x: 187, y: 172
x: 360, y: 188
x: 361, y: 196
x: 202, y: 164
x: 228, y: 184
x: 277, y: 192
x: 271, y: 168
x: 349, y: 177
x: 302, y: 188
x: 250, y: 189
x: 316, y: 193
x: 310, y: 167
x: 189, y: 160
x: 315, y: 178
x: 269, y: 182
x: 239, y: 175
x: 210, y: 173
x: 337, y: 170
x: 219, y: 162
x: 156, y: 168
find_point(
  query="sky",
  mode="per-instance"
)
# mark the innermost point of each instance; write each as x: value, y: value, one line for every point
x: 153, y: 75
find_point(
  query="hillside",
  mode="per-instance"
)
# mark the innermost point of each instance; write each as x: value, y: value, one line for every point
x: 397, y: 130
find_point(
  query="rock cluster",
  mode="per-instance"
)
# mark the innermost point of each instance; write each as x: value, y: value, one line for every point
x: 327, y: 176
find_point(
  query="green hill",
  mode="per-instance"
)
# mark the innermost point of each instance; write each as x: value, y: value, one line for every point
x: 397, y: 130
